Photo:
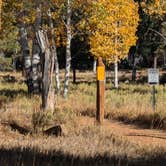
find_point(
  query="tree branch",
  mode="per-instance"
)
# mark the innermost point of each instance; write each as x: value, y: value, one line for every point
x: 160, y: 34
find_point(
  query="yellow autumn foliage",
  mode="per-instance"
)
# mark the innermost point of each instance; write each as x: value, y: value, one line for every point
x: 157, y: 7
x: 113, y: 26
x: 0, y: 12
x: 79, y: 10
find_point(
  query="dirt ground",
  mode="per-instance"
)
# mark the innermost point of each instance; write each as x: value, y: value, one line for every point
x: 133, y: 133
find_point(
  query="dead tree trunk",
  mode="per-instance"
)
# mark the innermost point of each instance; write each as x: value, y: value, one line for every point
x: 26, y: 55
x: 46, y: 79
x: 68, y: 49
x: 36, y: 52
x: 46, y: 69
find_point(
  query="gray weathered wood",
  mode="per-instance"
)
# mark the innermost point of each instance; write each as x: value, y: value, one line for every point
x: 47, y: 70
x: 26, y: 55
x: 36, y: 52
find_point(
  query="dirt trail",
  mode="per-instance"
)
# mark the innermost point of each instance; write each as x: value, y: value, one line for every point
x: 131, y: 132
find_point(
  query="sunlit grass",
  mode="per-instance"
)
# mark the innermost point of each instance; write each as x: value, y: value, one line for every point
x: 131, y: 103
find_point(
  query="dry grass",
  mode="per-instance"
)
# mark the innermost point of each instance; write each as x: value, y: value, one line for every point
x: 90, y: 144
x: 131, y: 104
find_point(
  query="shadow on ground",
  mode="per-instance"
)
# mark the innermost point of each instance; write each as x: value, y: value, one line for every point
x: 9, y: 79
x: 55, y: 130
x: 152, y: 121
x: 12, y: 93
x: 8, y: 95
x: 29, y: 157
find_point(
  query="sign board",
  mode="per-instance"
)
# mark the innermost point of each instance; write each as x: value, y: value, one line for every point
x: 101, y: 73
x: 153, y: 76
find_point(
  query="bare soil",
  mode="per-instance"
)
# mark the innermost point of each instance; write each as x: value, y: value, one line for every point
x: 150, y: 137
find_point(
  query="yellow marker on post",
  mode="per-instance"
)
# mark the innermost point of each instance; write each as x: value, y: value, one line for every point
x: 100, y: 73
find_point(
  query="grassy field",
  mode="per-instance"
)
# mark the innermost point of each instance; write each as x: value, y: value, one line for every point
x: 131, y: 103
x: 77, y: 144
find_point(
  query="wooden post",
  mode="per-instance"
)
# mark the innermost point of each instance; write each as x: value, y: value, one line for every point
x: 154, y: 87
x: 154, y: 98
x: 100, y: 91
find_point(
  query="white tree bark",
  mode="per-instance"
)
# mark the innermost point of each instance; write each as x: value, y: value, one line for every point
x: 57, y: 74
x: 94, y: 65
x: 116, y: 58
x: 116, y: 74
x: 68, y: 49
x: 26, y: 55
x: 54, y: 54
x: 36, y: 51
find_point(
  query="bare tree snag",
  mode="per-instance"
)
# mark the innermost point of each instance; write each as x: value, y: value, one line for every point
x: 36, y: 53
x: 26, y: 55
x: 47, y: 92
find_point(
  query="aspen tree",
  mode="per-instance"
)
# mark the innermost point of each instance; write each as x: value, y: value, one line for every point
x: 155, y: 7
x: 113, y: 25
x: 54, y: 52
x: 71, y: 15
x: 155, y: 10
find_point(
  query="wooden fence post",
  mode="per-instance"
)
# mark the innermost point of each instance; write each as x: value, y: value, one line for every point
x: 100, y: 91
